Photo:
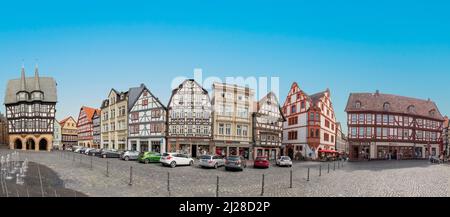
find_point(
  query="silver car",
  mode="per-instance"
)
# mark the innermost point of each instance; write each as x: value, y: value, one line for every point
x: 212, y: 161
x: 284, y: 161
x: 129, y: 155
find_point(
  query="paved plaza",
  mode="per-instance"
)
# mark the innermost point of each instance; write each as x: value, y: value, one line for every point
x: 111, y: 177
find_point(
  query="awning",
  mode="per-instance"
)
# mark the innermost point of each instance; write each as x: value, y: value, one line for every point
x: 328, y: 151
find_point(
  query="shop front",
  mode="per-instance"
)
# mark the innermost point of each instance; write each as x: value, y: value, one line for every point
x: 270, y: 153
x: 359, y: 151
x: 233, y: 149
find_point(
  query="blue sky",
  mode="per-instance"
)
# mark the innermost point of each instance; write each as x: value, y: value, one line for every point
x: 400, y: 47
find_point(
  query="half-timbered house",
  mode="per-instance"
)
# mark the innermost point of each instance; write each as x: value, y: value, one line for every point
x: 146, y: 121
x: 69, y: 132
x: 385, y: 126
x: 3, y: 130
x: 30, y: 110
x: 85, y: 127
x: 189, y: 120
x: 268, y: 127
x: 97, y: 128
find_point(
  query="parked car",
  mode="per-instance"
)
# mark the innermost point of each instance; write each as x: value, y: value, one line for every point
x: 95, y: 152
x: 69, y: 149
x: 87, y: 150
x: 82, y: 150
x: 77, y: 150
x: 261, y: 162
x: 175, y: 159
x: 149, y: 157
x: 235, y: 163
x: 284, y: 161
x: 129, y: 155
x: 211, y: 161
x: 110, y: 154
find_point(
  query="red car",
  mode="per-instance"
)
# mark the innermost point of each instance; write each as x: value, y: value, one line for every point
x: 261, y: 162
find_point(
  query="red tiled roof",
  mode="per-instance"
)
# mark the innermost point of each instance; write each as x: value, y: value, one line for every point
x: 89, y: 112
x: 65, y: 120
x: 397, y: 104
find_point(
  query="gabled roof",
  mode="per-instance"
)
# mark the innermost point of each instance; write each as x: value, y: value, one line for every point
x: 317, y: 96
x: 275, y: 98
x: 174, y: 91
x: 375, y: 102
x: 135, y: 92
x: 46, y: 85
x: 89, y: 112
x: 66, y: 119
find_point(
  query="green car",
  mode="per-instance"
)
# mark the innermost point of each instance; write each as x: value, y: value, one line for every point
x: 149, y: 157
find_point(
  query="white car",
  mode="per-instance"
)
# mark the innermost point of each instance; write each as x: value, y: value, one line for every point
x: 77, y: 150
x: 86, y: 151
x: 284, y: 161
x: 174, y: 159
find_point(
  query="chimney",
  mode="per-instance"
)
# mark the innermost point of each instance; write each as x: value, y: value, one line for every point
x: 377, y: 93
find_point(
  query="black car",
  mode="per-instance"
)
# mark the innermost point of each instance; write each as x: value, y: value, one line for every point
x: 110, y: 154
x: 94, y: 152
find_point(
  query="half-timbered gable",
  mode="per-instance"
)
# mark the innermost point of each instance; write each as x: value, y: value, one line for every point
x: 268, y: 127
x: 189, y: 119
x: 146, y: 121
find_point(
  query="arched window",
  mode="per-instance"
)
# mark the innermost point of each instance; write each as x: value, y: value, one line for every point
x: 358, y: 104
x: 386, y: 106
x: 411, y: 109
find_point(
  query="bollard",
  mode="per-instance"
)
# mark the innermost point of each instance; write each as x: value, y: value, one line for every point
x: 328, y: 168
x: 307, y: 179
x: 131, y: 176
x: 73, y: 160
x: 320, y: 170
x: 217, y: 187
x: 107, y: 168
x: 334, y: 166
x: 81, y: 155
x: 168, y: 182
x: 91, y: 161
x: 290, y: 184
x: 262, y: 186
x: 339, y: 165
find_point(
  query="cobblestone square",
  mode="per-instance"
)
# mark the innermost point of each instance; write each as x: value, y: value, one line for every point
x: 111, y: 178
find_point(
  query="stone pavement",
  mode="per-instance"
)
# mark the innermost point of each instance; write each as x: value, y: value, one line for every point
x: 360, y: 179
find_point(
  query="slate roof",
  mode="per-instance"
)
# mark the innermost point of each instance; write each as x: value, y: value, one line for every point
x: 47, y: 86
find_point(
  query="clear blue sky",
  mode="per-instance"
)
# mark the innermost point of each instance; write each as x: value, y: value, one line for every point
x: 400, y: 47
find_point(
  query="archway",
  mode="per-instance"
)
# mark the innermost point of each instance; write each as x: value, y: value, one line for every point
x: 43, y: 145
x: 18, y: 144
x: 31, y: 144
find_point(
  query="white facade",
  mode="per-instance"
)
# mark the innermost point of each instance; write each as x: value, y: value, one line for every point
x: 57, y: 136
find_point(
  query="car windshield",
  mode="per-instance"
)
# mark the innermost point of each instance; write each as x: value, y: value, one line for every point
x: 205, y: 157
x: 234, y: 158
x: 285, y: 158
x: 166, y: 154
x: 260, y: 158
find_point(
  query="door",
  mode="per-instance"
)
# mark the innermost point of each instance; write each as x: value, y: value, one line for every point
x: 194, y: 151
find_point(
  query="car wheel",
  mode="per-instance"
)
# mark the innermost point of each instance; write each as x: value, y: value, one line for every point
x: 104, y: 156
x: 127, y: 158
x: 173, y: 164
x: 191, y: 163
x: 146, y: 161
x: 215, y: 166
x: 226, y: 168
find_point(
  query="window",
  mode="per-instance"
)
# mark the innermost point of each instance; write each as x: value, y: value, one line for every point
x: 326, y: 137
x: 411, y: 109
x: 302, y: 105
x: 327, y: 123
x: 293, y: 109
x: 378, y: 132
x: 332, y: 138
x: 244, y: 130
x: 432, y: 113
x: 361, y: 118
x: 238, y: 130
x: 378, y: 119
x: 386, y: 106
x: 221, y: 129
x: 292, y: 135
x: 358, y: 104
x: 369, y: 132
x: 228, y: 129
x: 354, y: 117
x: 369, y: 118
x: 293, y: 121
x: 361, y: 132
x: 385, y: 119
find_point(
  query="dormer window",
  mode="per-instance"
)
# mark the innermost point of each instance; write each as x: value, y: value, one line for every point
x: 411, y: 109
x: 22, y: 96
x: 432, y: 113
x: 358, y: 104
x: 386, y: 106
x: 37, y: 96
